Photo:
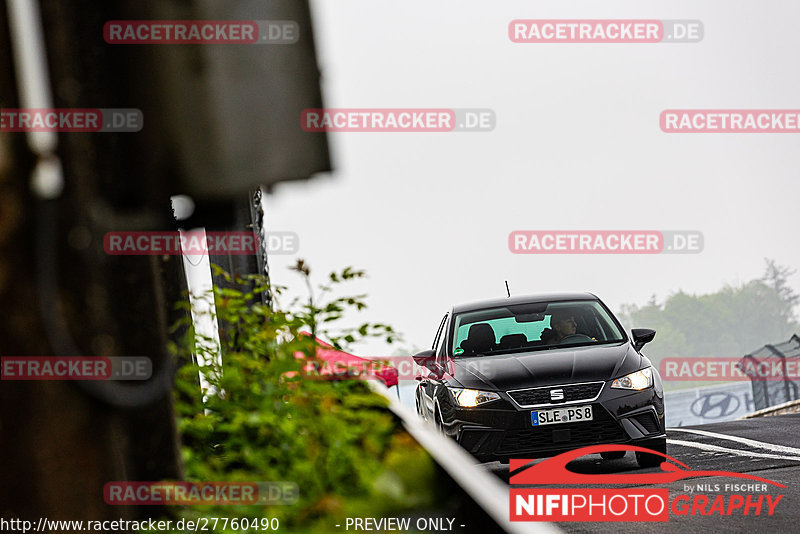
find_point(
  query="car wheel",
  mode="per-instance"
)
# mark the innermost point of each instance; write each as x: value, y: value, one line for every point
x: 652, y: 460
x: 612, y: 455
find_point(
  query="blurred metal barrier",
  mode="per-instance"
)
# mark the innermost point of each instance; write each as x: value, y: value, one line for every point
x: 770, y: 391
x: 708, y: 404
x: 485, y: 489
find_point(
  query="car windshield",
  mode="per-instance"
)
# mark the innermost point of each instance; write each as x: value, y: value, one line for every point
x: 535, y: 326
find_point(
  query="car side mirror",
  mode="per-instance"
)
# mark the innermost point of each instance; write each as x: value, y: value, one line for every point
x: 427, y: 359
x: 641, y: 337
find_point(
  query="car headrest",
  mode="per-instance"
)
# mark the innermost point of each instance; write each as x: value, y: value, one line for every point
x: 513, y: 341
x: 548, y: 335
x: 480, y: 338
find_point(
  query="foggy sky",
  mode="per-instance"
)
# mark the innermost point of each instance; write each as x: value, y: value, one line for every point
x: 577, y: 146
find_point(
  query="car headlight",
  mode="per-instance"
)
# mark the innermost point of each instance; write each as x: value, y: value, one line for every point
x: 638, y: 380
x: 469, y: 398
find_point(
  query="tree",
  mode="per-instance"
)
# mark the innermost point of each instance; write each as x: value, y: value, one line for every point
x: 730, y: 322
x: 776, y: 276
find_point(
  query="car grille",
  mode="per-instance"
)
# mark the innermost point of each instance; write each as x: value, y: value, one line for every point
x: 602, y: 429
x: 572, y: 392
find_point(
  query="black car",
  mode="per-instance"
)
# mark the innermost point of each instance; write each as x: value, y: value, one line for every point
x: 534, y: 376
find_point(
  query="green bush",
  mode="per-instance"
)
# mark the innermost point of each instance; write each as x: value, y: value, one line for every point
x: 259, y: 419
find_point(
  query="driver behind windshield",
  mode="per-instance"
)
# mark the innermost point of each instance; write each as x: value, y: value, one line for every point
x: 562, y: 324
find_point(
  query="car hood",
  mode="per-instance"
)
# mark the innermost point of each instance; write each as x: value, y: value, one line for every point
x: 502, y: 372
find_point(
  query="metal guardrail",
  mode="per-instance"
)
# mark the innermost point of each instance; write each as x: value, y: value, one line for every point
x: 774, y: 410
x: 484, y: 488
x: 771, y: 391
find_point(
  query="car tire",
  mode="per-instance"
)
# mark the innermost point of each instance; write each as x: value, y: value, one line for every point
x: 652, y: 460
x: 612, y: 455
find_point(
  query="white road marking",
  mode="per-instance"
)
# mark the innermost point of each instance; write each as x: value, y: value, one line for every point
x: 744, y: 441
x: 737, y: 452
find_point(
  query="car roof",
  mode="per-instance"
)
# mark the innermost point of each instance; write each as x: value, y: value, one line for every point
x: 522, y: 299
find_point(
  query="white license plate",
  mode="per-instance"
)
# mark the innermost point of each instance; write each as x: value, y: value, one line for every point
x: 561, y: 415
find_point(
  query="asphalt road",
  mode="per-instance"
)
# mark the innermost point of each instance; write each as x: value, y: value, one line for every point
x: 768, y: 447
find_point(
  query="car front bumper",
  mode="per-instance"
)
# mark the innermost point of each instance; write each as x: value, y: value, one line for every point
x: 503, y: 430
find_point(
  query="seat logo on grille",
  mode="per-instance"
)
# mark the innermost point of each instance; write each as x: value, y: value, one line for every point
x: 556, y: 394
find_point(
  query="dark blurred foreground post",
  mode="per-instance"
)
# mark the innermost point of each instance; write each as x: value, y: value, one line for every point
x: 210, y: 132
